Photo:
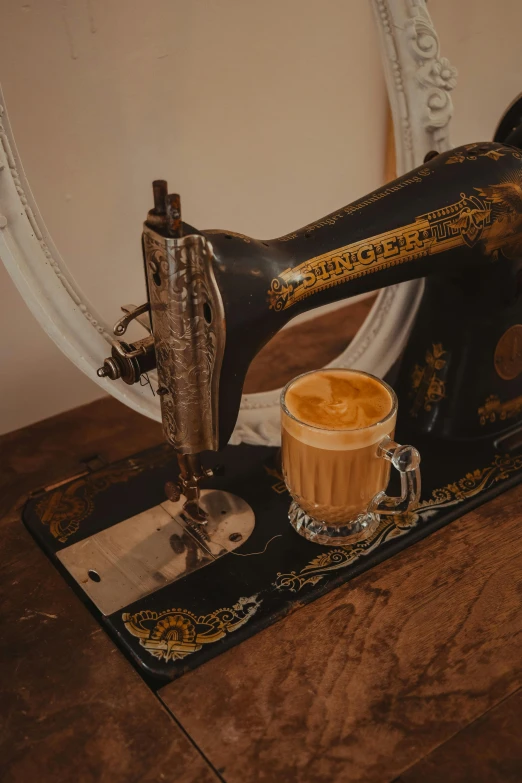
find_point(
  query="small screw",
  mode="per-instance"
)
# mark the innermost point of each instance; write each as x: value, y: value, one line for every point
x: 172, y: 491
x: 235, y: 537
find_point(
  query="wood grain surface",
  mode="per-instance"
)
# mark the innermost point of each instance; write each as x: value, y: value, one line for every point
x: 487, y: 751
x: 369, y: 679
x: 55, y: 448
x: 72, y: 708
x: 408, y: 673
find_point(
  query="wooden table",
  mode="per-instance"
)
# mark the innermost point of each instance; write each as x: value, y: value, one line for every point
x: 409, y: 673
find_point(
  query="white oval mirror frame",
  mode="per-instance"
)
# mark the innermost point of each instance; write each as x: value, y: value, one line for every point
x: 419, y: 82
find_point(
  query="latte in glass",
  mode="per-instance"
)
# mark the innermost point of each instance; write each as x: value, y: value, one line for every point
x: 337, y: 448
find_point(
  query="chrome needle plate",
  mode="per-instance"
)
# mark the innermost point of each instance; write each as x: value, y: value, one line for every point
x: 146, y: 552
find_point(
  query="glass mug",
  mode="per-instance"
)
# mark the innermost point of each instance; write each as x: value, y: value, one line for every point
x: 337, y: 451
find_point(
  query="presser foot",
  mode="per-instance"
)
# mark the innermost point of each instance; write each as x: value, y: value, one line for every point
x: 192, y: 506
x: 191, y: 475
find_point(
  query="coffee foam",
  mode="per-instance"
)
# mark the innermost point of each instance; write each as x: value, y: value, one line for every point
x: 338, y: 409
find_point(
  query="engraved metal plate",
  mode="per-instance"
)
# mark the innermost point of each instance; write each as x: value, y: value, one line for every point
x: 189, y: 336
x: 146, y: 552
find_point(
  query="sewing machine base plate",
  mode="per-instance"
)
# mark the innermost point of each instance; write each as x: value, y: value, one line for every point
x: 182, y: 624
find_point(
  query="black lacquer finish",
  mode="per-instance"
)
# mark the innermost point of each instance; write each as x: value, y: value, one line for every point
x: 461, y: 374
x: 181, y: 626
x: 454, y: 218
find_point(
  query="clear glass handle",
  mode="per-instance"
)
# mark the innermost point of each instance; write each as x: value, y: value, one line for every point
x: 407, y: 460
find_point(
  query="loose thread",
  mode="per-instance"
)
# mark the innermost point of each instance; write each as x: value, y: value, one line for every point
x: 249, y: 554
x: 147, y: 382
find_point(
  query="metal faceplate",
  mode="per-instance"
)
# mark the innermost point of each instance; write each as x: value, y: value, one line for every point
x: 136, y: 557
x: 188, y: 324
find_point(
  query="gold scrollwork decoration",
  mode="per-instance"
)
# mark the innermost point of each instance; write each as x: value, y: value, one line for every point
x: 427, y: 387
x: 65, y: 508
x: 175, y: 633
x: 493, y: 408
x: 342, y: 557
x: 467, y: 487
x: 493, y: 214
x: 452, y: 225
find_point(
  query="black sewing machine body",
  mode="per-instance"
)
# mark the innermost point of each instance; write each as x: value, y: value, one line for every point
x: 433, y: 222
x: 460, y: 375
x: 215, y: 298
x: 456, y: 220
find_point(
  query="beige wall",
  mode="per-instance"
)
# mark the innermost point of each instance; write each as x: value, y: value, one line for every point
x: 255, y: 112
x: 263, y: 115
x: 482, y: 39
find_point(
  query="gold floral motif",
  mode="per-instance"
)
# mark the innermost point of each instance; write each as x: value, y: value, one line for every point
x: 492, y: 154
x: 175, y: 633
x: 478, y: 150
x: 427, y: 386
x: 459, y: 157
x: 65, y: 508
x: 392, y: 527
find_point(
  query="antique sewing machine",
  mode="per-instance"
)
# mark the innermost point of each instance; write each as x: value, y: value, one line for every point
x: 135, y: 538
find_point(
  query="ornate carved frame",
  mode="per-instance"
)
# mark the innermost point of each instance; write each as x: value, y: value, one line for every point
x: 419, y: 82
